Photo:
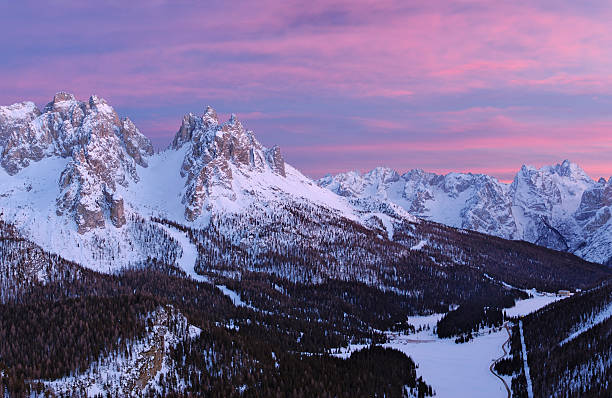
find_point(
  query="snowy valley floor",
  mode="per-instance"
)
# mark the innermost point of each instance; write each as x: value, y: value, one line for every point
x: 453, y: 370
x: 458, y: 370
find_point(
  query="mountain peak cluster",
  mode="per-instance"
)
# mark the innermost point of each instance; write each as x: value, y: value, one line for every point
x: 105, y: 152
x: 76, y: 166
x: 559, y: 207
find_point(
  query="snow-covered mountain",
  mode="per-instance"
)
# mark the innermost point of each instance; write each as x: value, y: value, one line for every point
x: 265, y: 264
x: 78, y: 180
x: 559, y: 206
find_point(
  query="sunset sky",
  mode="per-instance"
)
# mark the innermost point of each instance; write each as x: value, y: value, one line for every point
x: 481, y: 86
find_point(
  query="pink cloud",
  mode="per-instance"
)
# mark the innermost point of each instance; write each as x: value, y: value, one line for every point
x: 413, y: 59
x: 388, y: 54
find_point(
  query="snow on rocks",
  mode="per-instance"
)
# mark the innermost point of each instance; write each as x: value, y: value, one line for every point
x: 77, y: 174
x: 136, y: 371
x: 558, y: 206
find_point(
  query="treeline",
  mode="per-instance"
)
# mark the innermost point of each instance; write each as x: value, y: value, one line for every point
x: 518, y: 263
x: 564, y: 362
x: 57, y: 334
x: 476, y: 314
x: 263, y: 371
x: 356, y: 304
x: 54, y: 339
x: 313, y: 290
x: 274, y: 264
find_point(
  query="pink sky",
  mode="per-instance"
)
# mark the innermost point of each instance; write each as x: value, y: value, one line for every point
x: 482, y: 86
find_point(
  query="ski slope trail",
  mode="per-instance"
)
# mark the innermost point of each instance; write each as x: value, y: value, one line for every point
x: 188, y: 258
x: 525, y: 364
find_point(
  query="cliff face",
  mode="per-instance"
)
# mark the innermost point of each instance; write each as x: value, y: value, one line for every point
x: 214, y: 153
x: 102, y: 149
x: 79, y: 180
x: 109, y: 174
x: 558, y: 206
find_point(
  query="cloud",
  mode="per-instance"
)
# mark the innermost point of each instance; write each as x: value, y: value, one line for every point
x: 486, y: 79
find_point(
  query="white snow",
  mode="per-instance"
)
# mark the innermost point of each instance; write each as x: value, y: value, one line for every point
x: 235, y: 297
x: 457, y: 370
x: 419, y: 245
x: 161, y: 187
x: 189, y: 256
x: 600, y: 317
x: 525, y: 363
x: 18, y: 111
x: 525, y: 307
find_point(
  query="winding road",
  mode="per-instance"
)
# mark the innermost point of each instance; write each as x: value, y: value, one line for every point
x: 507, y: 342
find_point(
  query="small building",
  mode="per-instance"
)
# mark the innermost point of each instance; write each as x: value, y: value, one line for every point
x: 564, y: 293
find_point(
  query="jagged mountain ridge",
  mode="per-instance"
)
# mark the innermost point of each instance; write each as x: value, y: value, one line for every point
x: 80, y: 181
x: 254, y: 226
x: 559, y: 206
x: 102, y: 152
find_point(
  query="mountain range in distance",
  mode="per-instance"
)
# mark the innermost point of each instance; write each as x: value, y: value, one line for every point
x: 215, y: 257
x: 559, y: 207
x: 75, y: 171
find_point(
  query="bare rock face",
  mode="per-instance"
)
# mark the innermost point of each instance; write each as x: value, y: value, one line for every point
x: 595, y: 206
x: 117, y: 214
x: 136, y: 145
x: 215, y: 152
x: 16, y: 128
x: 275, y: 160
x: 103, y: 152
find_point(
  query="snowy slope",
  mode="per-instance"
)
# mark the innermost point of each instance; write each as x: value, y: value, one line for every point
x: 139, y: 369
x: 558, y: 206
x: 457, y: 370
x: 78, y: 180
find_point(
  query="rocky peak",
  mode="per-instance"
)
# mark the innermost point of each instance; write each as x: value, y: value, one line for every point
x: 64, y: 124
x: 15, y: 120
x: 210, y: 118
x: 61, y: 101
x: 195, y: 129
x: 383, y: 175
x: 418, y: 175
x: 62, y: 96
x: 349, y: 184
x: 216, y: 151
x: 103, y: 152
x: 594, y: 199
x: 570, y: 170
x: 136, y: 144
x: 275, y: 160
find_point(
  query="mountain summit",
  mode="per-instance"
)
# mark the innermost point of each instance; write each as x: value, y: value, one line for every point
x: 101, y: 150
x: 215, y: 152
x: 557, y: 206
x: 80, y: 180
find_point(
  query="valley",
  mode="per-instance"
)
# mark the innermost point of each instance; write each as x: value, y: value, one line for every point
x: 215, y: 268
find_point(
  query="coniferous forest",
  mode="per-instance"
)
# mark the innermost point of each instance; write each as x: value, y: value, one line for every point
x: 60, y: 319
